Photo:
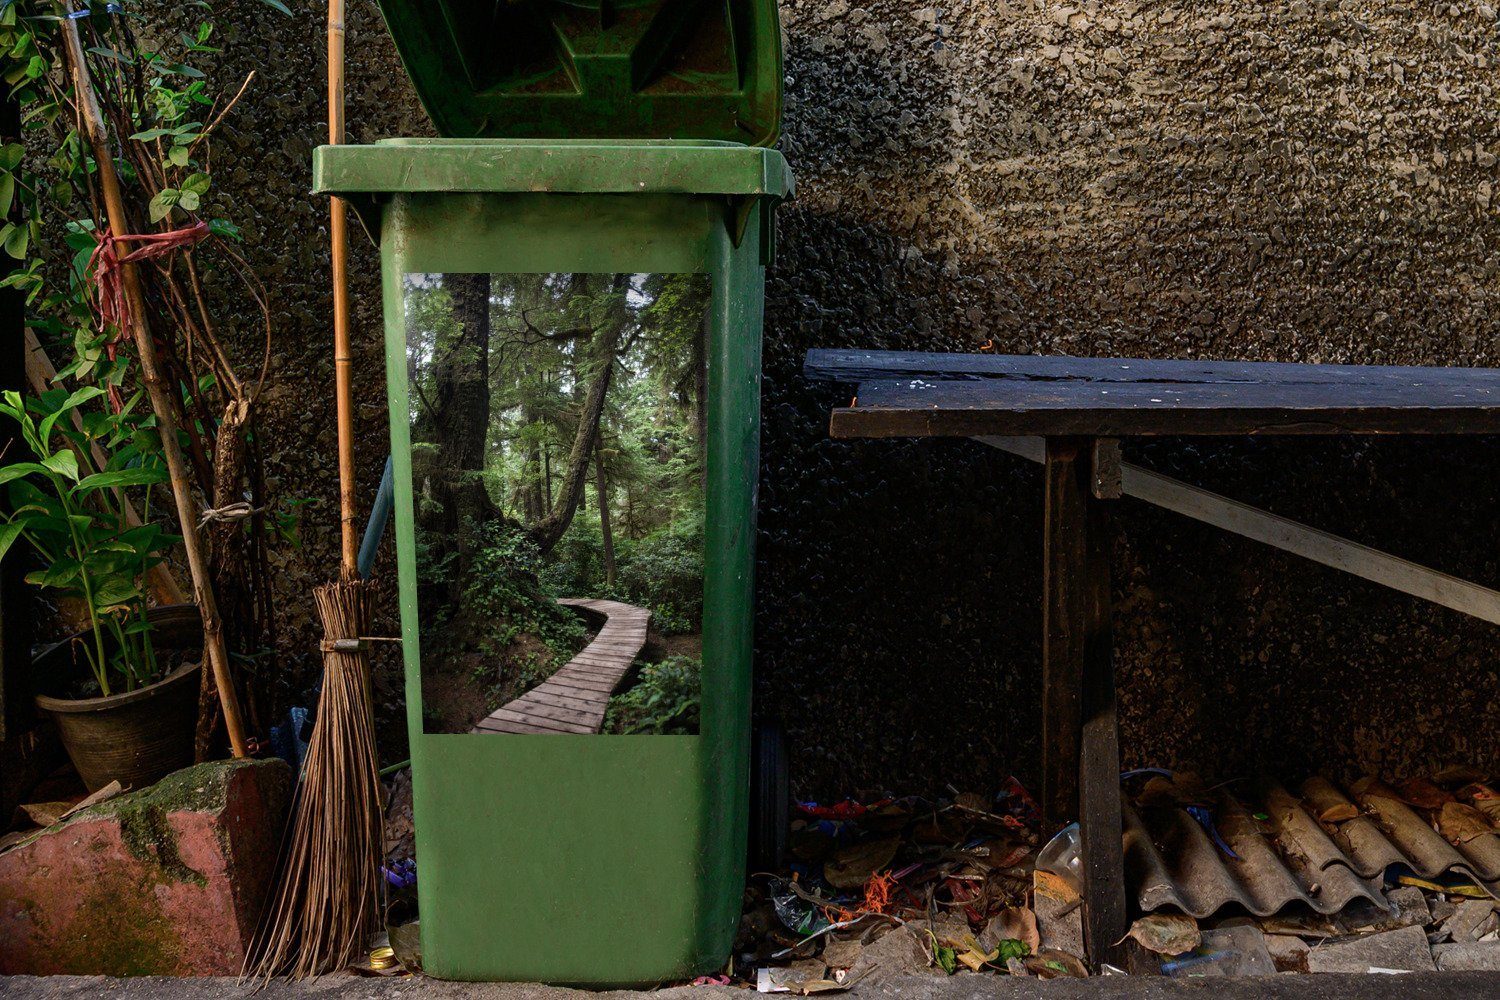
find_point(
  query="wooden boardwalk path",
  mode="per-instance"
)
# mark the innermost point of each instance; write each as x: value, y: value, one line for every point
x: 573, y: 700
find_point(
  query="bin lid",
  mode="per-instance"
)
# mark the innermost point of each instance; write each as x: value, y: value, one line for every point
x: 577, y: 166
x: 649, y: 69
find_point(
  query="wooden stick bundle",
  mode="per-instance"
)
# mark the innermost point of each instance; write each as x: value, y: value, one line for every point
x: 327, y: 894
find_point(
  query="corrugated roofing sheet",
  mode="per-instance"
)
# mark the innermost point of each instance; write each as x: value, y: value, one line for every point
x: 1325, y: 848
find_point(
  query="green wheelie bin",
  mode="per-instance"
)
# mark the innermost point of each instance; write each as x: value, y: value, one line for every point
x: 572, y: 284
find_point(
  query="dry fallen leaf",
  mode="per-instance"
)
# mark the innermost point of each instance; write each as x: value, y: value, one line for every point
x: 1052, y: 963
x: 45, y: 813
x: 1460, y: 824
x: 1326, y: 802
x: 1485, y: 799
x: 852, y: 866
x: 1339, y: 812
x: 1370, y: 787
x: 1423, y: 794
x: 1016, y: 923
x: 1166, y: 933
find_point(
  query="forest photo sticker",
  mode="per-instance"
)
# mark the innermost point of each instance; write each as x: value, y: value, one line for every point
x: 558, y: 444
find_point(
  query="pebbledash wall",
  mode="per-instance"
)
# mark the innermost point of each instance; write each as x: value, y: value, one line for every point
x: 1303, y: 181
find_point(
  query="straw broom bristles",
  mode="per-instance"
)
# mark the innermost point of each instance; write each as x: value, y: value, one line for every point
x: 327, y: 895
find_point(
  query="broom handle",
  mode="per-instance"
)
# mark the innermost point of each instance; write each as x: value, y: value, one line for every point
x: 343, y: 357
x: 161, y: 404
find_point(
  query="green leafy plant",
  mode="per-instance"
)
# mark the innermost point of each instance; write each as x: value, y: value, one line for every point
x: 143, y: 71
x: 664, y: 572
x: 78, y: 526
x: 501, y: 598
x: 665, y: 700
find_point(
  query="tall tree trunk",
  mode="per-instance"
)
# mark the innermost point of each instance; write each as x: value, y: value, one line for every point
x: 533, y: 509
x: 461, y: 382
x: 601, y: 490
x: 604, y: 342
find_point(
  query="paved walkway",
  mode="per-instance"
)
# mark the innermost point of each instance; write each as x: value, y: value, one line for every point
x: 573, y: 700
x: 965, y: 986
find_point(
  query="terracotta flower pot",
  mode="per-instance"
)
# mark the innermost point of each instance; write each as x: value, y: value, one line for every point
x: 137, y: 737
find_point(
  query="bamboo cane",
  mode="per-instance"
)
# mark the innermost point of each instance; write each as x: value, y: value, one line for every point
x: 161, y: 404
x: 343, y: 355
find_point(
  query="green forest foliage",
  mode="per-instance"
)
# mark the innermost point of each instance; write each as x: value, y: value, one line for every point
x: 636, y: 527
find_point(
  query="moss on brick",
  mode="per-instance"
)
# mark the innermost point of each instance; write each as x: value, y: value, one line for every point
x: 142, y: 815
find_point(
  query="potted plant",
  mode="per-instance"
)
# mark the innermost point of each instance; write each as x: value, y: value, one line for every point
x: 123, y: 701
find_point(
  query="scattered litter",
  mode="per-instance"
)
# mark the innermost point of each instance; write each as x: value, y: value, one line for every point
x: 792, y: 978
x: 1241, y: 879
x: 884, y: 886
x: 1239, y: 950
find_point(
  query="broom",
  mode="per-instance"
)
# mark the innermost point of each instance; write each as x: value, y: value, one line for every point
x: 327, y: 896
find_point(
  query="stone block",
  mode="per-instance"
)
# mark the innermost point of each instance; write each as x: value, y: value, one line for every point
x: 167, y: 881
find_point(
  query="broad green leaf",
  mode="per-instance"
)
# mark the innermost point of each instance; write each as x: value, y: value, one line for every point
x: 59, y: 574
x: 224, y: 228
x: 188, y: 201
x: 64, y: 463
x: 7, y: 191
x: 75, y: 399
x: 20, y: 469
x: 198, y: 183
x: 17, y: 241
x: 277, y: 5
x: 9, y: 532
x: 121, y: 477
x: 177, y: 156
x: 11, y: 155
x: 119, y: 590
x: 161, y: 205
x: 108, y: 53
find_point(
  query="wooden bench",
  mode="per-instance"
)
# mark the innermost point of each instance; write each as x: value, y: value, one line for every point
x: 1069, y: 414
x: 574, y: 699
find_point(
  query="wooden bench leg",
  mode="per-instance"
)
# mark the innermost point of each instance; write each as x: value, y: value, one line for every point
x: 1064, y: 558
x: 1099, y: 767
x: 1081, y: 755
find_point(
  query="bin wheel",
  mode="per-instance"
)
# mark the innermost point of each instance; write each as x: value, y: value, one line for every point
x: 770, y: 797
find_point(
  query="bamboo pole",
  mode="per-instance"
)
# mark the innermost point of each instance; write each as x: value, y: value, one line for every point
x: 343, y: 355
x: 40, y: 373
x: 161, y: 403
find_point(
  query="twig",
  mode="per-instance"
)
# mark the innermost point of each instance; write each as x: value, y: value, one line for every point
x: 202, y: 135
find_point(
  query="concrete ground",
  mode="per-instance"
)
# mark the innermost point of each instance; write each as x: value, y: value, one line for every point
x: 1418, y: 986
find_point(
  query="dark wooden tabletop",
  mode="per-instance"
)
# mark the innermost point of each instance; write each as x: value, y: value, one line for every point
x: 897, y: 394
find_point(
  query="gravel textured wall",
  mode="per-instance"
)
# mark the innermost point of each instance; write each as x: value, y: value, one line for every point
x: 1309, y: 180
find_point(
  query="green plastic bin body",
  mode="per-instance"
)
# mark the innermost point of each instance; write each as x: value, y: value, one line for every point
x: 588, y: 859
